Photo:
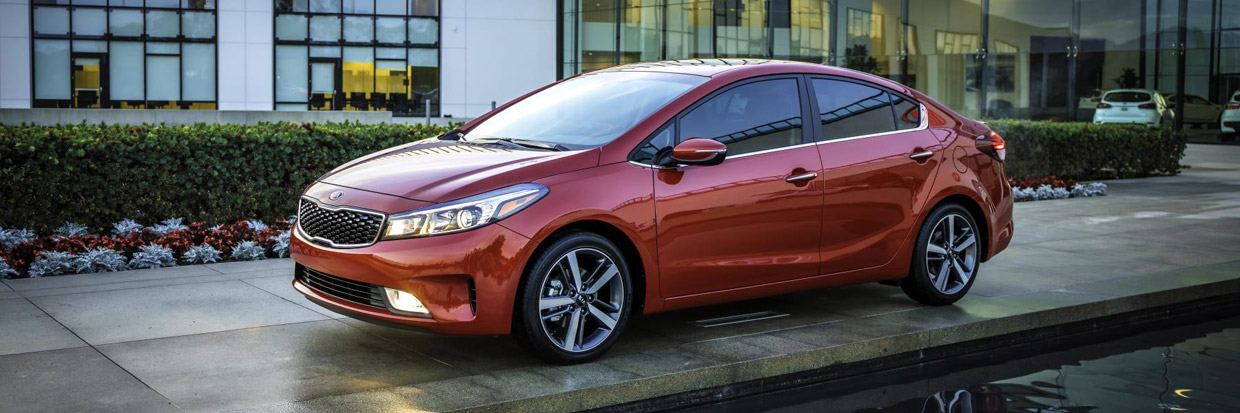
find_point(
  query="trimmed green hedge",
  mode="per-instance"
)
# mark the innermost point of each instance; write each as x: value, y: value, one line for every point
x: 99, y: 174
x: 1086, y: 151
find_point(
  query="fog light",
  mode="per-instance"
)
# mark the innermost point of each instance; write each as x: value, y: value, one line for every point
x: 404, y: 301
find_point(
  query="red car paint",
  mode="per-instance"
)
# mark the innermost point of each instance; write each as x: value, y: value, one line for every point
x: 697, y: 235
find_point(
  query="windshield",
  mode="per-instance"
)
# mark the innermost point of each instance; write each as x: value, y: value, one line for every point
x: 1127, y: 97
x: 587, y: 111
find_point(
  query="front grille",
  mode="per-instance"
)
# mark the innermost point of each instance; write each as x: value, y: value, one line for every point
x: 339, y: 227
x: 356, y: 292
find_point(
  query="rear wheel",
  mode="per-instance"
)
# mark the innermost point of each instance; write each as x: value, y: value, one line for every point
x: 576, y: 301
x: 946, y: 259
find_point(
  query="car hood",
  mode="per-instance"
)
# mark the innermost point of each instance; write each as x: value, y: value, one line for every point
x: 438, y: 171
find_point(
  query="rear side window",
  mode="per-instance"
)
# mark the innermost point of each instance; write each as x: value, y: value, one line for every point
x: 848, y: 109
x: 908, y: 112
x: 749, y: 118
x: 1127, y: 97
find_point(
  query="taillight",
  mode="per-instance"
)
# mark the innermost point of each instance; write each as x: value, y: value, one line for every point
x: 1104, y: 105
x: 1147, y: 106
x: 992, y: 144
x: 1233, y: 106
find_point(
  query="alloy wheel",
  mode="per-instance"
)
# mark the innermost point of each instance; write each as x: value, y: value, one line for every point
x: 951, y: 254
x: 581, y: 300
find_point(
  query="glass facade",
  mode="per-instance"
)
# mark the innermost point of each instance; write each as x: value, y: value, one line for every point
x: 368, y: 55
x: 132, y: 54
x: 1028, y: 59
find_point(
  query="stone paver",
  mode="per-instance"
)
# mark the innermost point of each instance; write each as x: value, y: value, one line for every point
x: 236, y: 336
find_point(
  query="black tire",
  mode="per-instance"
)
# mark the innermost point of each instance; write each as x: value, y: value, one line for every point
x: 547, y: 276
x: 920, y: 284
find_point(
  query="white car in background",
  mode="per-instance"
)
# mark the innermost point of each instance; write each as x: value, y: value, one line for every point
x: 1229, y: 121
x: 1197, y: 110
x: 1139, y: 106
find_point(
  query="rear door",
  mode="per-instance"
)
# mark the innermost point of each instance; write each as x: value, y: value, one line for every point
x: 878, y: 158
x: 755, y: 218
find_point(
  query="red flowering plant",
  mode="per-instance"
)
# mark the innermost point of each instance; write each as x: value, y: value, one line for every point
x: 223, y: 238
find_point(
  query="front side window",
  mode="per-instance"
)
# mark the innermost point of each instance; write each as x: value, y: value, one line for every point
x: 587, y: 111
x: 849, y: 109
x: 749, y: 118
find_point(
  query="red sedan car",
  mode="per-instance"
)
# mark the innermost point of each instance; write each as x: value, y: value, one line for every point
x: 653, y: 187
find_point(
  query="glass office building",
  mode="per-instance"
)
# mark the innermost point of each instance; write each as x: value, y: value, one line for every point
x: 132, y: 54
x: 1032, y: 59
x: 357, y: 55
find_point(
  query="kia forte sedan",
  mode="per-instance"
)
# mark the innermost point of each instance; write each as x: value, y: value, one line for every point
x: 654, y: 187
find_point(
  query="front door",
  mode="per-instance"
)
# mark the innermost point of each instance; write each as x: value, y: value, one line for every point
x: 878, y: 157
x: 324, y: 84
x: 755, y: 218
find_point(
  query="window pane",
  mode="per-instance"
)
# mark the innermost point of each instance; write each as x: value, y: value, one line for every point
x: 1027, y: 75
x: 324, y: 51
x: 359, y: 29
x: 689, y: 31
x: 163, y: 3
x: 77, y: 2
x: 163, y: 79
x: 423, y: 31
x: 162, y: 48
x: 90, y: 22
x: 51, y: 67
x: 359, y: 6
x: 198, y: 71
x: 133, y: 3
x: 750, y: 118
x: 908, y: 112
x: 358, y: 75
x: 95, y: 46
x: 396, y: 7
x: 325, y: 6
x: 390, y: 53
x: 198, y: 25
x: 943, y: 41
x: 125, y: 23
x: 641, y: 31
x: 51, y: 20
x: 801, y: 29
x: 291, y: 106
x: 848, y: 109
x: 198, y: 4
x: 291, y: 27
x: 424, y: 8
x: 391, y: 29
x: 292, y: 5
x: 161, y: 23
x: 126, y: 71
x: 596, y: 48
x: 325, y: 28
x: 741, y: 28
x: 291, y: 80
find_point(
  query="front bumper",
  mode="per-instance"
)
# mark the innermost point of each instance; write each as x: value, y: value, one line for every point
x: 1229, y: 122
x: 467, y: 280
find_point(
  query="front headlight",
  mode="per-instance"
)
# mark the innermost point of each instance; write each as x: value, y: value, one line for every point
x: 464, y: 214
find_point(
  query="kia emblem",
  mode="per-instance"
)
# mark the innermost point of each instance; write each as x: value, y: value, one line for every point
x: 336, y: 195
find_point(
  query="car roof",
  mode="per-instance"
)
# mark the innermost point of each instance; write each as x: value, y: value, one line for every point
x: 714, y: 67
x: 1131, y: 90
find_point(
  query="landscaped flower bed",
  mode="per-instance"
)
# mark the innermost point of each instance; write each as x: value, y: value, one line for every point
x: 1044, y: 188
x: 130, y: 245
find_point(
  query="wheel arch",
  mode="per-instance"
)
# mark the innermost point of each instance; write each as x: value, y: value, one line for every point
x: 632, y: 259
x: 975, y: 209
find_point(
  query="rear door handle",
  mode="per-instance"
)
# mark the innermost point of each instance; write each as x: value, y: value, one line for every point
x: 802, y: 177
x: 921, y: 155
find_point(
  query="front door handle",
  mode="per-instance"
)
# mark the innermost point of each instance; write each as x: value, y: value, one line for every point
x: 802, y: 177
x: 921, y: 155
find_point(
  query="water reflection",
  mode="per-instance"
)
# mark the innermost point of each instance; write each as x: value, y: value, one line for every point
x: 1188, y: 368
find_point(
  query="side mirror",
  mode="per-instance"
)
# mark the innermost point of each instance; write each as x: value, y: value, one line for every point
x: 699, y: 151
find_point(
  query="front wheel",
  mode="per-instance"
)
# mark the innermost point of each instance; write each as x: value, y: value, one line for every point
x: 576, y: 301
x: 946, y: 258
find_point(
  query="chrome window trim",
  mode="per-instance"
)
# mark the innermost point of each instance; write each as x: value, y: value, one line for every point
x: 378, y: 234
x: 925, y: 124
